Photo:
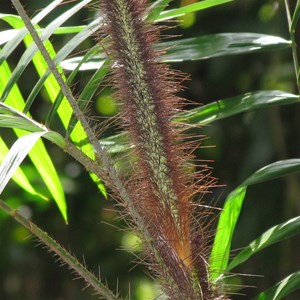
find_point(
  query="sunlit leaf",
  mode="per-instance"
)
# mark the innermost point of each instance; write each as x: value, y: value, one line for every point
x: 221, y: 44
x: 198, y: 48
x: 169, y: 14
x: 15, y: 156
x: 11, y: 118
x: 15, y: 21
x: 19, y: 176
x: 38, y: 155
x: 94, y: 63
x: 229, y: 216
x: 156, y: 8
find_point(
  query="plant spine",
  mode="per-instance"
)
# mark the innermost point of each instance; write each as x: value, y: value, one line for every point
x: 162, y: 189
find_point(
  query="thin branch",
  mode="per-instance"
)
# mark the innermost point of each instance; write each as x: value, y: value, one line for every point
x: 53, y: 246
x: 101, y: 153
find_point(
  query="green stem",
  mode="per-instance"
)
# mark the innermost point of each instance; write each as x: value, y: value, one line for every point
x: 294, y: 44
x: 90, y: 279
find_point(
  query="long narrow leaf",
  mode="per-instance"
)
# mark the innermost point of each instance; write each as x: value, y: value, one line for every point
x: 30, y: 52
x: 78, y: 135
x: 156, y: 9
x: 64, y: 110
x: 283, y: 288
x: 222, y: 44
x: 231, y: 106
x: 15, y: 156
x: 295, y: 18
x: 273, y: 235
x: 216, y: 111
x: 7, y: 35
x: 11, y: 118
x: 39, y: 155
x: 232, y: 208
x: 19, y: 176
x: 169, y: 14
x: 203, y: 47
x: 12, y: 44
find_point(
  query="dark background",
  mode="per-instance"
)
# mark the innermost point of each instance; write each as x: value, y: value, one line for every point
x: 243, y: 144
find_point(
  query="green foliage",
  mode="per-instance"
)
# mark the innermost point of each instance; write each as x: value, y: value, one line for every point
x: 15, y: 115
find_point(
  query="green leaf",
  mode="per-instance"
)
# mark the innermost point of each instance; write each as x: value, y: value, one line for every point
x: 7, y: 35
x: 222, y: 44
x: 15, y: 156
x: 61, y: 105
x: 92, y: 85
x: 198, y: 48
x: 19, y: 176
x: 283, y: 288
x: 273, y: 235
x: 60, y: 96
x: 11, y: 118
x: 39, y: 155
x: 169, y: 14
x: 92, y: 63
x: 225, y: 108
x: 64, y: 110
x: 216, y: 111
x: 226, y: 224
x: 295, y: 18
x: 32, y: 53
x: 68, y: 29
x: 15, y: 21
x: 228, y: 218
x: 156, y: 8
x: 46, y: 169
x: 116, y: 144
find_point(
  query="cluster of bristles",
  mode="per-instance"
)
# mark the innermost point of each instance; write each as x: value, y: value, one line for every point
x: 165, y: 187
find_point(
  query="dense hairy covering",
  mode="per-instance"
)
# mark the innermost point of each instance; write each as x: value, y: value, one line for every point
x: 164, y: 186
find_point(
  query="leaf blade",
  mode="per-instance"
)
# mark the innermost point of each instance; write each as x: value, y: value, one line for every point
x: 283, y: 288
x: 15, y: 156
x: 230, y: 106
x: 222, y: 44
x: 169, y: 14
x: 273, y: 235
x: 39, y: 156
x: 229, y: 216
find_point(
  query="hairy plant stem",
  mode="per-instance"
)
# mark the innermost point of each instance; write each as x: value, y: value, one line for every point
x: 150, y: 135
x: 64, y: 255
x: 163, y: 217
x: 163, y: 190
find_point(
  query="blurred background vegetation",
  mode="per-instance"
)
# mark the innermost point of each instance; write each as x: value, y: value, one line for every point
x: 243, y: 144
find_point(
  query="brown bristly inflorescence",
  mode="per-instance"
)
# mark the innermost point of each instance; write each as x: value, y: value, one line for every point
x: 164, y: 186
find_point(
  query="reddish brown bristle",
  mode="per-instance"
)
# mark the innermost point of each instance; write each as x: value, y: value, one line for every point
x: 163, y: 187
